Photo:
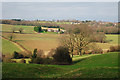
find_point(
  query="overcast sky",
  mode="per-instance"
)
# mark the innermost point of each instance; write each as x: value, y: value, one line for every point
x: 100, y: 11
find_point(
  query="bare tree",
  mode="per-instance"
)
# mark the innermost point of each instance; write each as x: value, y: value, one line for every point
x: 20, y: 30
x: 68, y: 41
x: 77, y: 38
x: 81, y: 42
x: 11, y: 36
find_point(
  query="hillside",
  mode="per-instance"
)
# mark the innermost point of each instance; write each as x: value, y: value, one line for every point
x: 99, y: 66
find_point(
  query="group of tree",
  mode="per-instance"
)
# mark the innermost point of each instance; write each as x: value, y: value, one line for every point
x: 106, y: 28
x: 109, y: 30
x: 30, y: 23
x: 14, y: 29
x: 38, y: 29
x: 79, y: 37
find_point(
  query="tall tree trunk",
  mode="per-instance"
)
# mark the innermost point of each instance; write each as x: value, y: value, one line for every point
x: 72, y: 52
x: 80, y: 52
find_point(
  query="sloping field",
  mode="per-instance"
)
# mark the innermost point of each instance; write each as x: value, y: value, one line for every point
x: 31, y: 40
x: 8, y: 47
x: 40, y: 41
x: 99, y: 66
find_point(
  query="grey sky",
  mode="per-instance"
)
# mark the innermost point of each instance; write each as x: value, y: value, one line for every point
x: 100, y: 11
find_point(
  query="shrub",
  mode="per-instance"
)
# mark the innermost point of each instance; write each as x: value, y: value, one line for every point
x: 51, y: 53
x: 38, y: 29
x: 117, y: 48
x: 40, y: 53
x: 6, y: 58
x: 17, y: 55
x: 108, y: 51
x: 97, y: 51
x: 25, y: 55
x: 62, y: 55
x: 34, y: 53
x: 88, y: 52
x: 40, y: 60
x: 37, y: 56
x: 47, y: 61
x: 37, y: 60
x: 114, y: 48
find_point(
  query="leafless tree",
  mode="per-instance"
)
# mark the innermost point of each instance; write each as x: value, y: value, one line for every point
x: 20, y: 30
x: 77, y: 38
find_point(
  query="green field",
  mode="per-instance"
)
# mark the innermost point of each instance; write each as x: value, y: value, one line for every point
x: 98, y: 66
x: 8, y: 28
x: 46, y: 41
x: 8, y: 47
x: 86, y: 66
x: 113, y: 39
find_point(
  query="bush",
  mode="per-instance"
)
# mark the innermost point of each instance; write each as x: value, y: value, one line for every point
x: 34, y: 53
x: 114, y: 48
x: 88, y: 52
x: 25, y: 55
x: 40, y: 53
x: 6, y: 58
x: 37, y: 56
x: 62, y: 55
x: 17, y: 55
x: 37, y: 60
x: 51, y: 53
x: 38, y: 29
x: 47, y: 61
x: 97, y: 51
x: 117, y: 48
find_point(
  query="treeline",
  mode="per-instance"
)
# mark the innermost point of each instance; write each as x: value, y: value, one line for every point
x: 103, y: 29
x: 30, y: 23
x: 109, y: 30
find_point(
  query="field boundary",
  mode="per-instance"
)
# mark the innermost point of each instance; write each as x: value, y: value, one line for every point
x: 17, y: 44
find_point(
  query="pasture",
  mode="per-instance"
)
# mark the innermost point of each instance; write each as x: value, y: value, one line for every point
x: 8, y: 47
x: 86, y: 66
x: 45, y: 41
x: 113, y: 39
x: 97, y: 66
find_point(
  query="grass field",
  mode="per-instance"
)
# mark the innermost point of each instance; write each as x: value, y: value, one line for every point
x: 8, y: 28
x: 46, y: 41
x: 8, y: 47
x: 86, y: 66
x: 113, y: 39
x: 99, y: 66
